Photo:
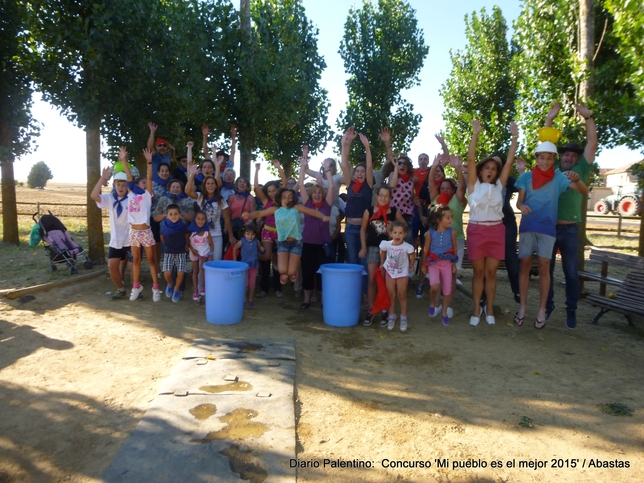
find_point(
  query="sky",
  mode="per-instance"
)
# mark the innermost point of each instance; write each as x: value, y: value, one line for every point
x: 61, y: 144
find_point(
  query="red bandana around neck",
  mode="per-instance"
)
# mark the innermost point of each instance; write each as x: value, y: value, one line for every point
x: 539, y: 177
x: 444, y: 199
x: 380, y: 211
x: 316, y: 204
x: 356, y: 186
x: 438, y: 182
x: 404, y: 177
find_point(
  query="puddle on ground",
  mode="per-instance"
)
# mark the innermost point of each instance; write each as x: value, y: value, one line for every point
x: 203, y: 411
x: 240, y: 463
x: 240, y: 426
x: 244, y: 346
x: 233, y: 386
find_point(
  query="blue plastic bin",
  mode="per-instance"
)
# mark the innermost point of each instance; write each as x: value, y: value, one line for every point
x: 225, y: 286
x: 341, y: 293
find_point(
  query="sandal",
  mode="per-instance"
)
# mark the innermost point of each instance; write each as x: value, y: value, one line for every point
x: 540, y: 324
x: 518, y: 321
x: 283, y: 279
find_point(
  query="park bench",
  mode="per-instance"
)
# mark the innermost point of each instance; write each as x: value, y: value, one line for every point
x: 628, y: 299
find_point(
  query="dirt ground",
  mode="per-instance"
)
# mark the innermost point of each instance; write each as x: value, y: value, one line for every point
x: 78, y: 371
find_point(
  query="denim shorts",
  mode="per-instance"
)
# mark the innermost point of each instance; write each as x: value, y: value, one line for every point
x: 292, y: 247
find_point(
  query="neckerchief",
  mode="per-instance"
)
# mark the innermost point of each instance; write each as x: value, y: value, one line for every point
x: 194, y: 228
x: 209, y: 201
x: 444, y: 199
x: 228, y: 186
x: 404, y: 177
x: 157, y: 179
x: 137, y: 190
x: 169, y: 228
x: 317, y: 205
x: 356, y: 186
x: 245, y: 194
x: 178, y: 197
x: 380, y: 212
x: 539, y: 177
x: 117, y: 203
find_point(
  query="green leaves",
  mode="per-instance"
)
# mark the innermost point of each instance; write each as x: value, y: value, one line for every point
x: 383, y: 51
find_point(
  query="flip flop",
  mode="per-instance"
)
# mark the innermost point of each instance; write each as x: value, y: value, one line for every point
x: 518, y: 320
x: 540, y: 324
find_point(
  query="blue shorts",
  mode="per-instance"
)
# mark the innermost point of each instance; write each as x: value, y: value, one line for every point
x: 292, y: 247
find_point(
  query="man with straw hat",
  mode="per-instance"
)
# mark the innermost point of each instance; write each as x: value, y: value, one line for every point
x: 571, y: 203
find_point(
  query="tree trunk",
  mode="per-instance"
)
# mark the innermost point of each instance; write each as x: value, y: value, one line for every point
x: 640, y: 251
x: 94, y: 216
x: 586, y: 91
x: 9, y: 208
x: 245, y: 157
x: 245, y: 149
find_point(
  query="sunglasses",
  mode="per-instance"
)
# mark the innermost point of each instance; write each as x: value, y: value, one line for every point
x: 401, y: 162
x: 162, y: 145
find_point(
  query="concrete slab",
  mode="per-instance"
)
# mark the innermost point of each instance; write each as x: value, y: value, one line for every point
x: 205, y: 427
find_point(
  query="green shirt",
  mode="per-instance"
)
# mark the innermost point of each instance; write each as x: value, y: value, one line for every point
x: 570, y: 201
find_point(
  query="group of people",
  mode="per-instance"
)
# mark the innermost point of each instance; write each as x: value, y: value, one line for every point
x: 390, y: 215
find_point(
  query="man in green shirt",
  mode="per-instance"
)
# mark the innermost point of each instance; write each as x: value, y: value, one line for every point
x: 572, y: 158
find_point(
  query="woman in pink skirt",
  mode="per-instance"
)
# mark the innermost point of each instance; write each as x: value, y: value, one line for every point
x: 485, y: 230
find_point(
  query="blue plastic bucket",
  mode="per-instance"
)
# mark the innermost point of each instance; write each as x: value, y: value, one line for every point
x: 341, y: 293
x: 225, y: 286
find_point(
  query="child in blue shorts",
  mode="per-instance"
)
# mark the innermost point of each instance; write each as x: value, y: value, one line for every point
x: 539, y: 192
x: 175, y: 237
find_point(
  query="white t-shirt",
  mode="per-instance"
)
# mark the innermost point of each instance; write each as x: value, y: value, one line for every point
x: 397, y: 261
x: 119, y: 226
x: 139, y: 208
x: 213, y: 214
x: 338, y: 179
x: 486, y: 202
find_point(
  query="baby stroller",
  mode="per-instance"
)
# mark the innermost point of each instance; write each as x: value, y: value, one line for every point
x: 59, y: 245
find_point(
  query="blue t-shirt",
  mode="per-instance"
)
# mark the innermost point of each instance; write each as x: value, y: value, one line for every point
x: 158, y: 160
x: 543, y: 203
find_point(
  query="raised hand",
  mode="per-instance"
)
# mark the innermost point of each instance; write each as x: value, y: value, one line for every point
x: 305, y: 153
x: 521, y: 165
x: 514, y: 129
x: 190, y: 145
x: 364, y: 140
x: 105, y: 175
x: 233, y: 131
x: 193, y: 168
x: 153, y: 127
x: 385, y: 135
x: 147, y: 153
x: 456, y: 161
x: 554, y: 110
x: 123, y: 154
x: 276, y: 164
x: 257, y: 166
x: 440, y: 139
x: 349, y: 135
x: 219, y: 161
x: 476, y: 126
x: 572, y: 176
x: 204, y: 130
x: 437, y: 160
x: 583, y: 110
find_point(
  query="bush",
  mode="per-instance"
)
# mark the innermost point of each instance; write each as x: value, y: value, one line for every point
x: 39, y: 175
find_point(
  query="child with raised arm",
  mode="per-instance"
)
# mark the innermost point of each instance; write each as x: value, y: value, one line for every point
x: 396, y: 258
x: 485, y: 230
x: 201, y: 250
x: 250, y: 249
x: 138, y: 215
x: 175, y: 239
x: 440, y: 262
x: 289, y: 235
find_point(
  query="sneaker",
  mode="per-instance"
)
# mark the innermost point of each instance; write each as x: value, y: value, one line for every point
x: 383, y: 320
x: 434, y: 311
x: 403, y: 323
x: 458, y: 283
x: 391, y: 321
x: 571, y: 319
x: 550, y: 311
x: 474, y: 321
x: 251, y: 305
x: 450, y: 312
x: 445, y: 319
x: 202, y: 292
x: 279, y: 294
x: 283, y: 279
x: 176, y: 295
x: 120, y: 294
x: 261, y: 295
x: 156, y: 295
x: 368, y: 319
x: 419, y: 291
x: 196, y: 297
x: 489, y: 318
x: 168, y: 291
x: 134, y: 295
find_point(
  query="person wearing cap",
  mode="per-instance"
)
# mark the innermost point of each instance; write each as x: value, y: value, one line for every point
x: 571, y: 158
x: 119, y: 255
x: 160, y: 149
x: 539, y: 192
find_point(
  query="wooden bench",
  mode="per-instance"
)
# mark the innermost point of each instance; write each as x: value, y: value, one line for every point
x: 628, y: 299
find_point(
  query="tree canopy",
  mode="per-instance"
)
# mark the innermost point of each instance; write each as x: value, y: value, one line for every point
x: 383, y: 51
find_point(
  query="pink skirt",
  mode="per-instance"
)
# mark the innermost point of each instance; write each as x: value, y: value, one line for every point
x: 486, y: 241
